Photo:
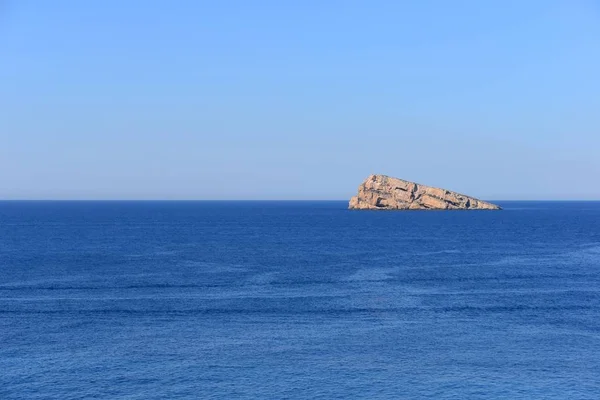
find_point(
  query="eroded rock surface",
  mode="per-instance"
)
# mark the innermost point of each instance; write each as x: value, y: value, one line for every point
x: 381, y: 192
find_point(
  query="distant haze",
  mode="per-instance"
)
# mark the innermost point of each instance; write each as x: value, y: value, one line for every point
x: 298, y: 100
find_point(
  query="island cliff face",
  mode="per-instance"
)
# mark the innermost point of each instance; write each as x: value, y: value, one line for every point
x: 380, y: 192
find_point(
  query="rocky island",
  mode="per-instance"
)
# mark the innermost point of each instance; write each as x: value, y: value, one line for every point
x: 381, y: 192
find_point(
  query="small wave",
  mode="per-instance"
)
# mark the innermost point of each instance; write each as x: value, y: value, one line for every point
x: 429, y: 253
x: 372, y: 274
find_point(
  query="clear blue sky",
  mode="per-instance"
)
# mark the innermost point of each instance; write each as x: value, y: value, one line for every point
x: 298, y: 99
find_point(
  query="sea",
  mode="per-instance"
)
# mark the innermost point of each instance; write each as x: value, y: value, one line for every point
x: 298, y: 300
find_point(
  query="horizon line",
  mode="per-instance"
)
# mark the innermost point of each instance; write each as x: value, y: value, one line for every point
x: 259, y: 200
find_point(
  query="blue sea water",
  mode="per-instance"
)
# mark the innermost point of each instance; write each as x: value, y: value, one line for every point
x: 298, y: 300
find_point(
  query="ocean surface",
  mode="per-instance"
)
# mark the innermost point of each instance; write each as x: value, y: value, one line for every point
x: 298, y: 300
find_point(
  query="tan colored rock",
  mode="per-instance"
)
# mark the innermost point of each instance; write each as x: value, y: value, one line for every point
x: 380, y: 192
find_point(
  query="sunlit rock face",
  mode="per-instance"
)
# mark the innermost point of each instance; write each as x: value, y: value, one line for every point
x: 381, y: 192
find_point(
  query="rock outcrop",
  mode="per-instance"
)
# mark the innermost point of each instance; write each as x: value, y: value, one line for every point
x: 380, y: 192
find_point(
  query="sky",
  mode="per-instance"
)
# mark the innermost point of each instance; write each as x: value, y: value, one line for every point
x: 109, y: 99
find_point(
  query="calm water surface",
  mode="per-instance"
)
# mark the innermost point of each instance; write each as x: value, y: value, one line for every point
x: 224, y: 300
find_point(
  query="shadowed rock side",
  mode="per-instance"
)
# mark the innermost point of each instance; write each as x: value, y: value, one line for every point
x: 380, y: 192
